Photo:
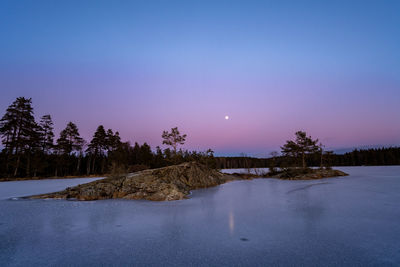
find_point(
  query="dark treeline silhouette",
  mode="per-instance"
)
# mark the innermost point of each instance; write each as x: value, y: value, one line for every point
x: 367, y: 157
x: 29, y: 148
x: 240, y: 162
x: 372, y: 157
x: 304, y: 151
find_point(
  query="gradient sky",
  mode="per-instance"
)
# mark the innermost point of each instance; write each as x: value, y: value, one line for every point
x: 331, y: 68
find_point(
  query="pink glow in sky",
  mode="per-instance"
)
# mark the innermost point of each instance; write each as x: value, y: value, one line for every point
x: 330, y: 69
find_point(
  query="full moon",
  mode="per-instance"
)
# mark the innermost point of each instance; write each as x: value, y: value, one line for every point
x: 227, y: 117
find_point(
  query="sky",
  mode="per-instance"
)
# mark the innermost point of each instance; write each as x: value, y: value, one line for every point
x: 330, y: 68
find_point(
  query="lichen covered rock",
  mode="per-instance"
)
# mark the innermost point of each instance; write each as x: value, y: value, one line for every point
x: 309, y: 174
x: 169, y: 183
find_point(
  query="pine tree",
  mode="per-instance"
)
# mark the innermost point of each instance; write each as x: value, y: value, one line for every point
x: 18, y: 129
x: 299, y: 148
x: 145, y: 155
x: 159, y: 158
x: 32, y: 147
x: 70, y: 140
x: 109, y: 140
x: 113, y: 141
x: 173, y: 139
x: 136, y: 154
x: 116, y: 142
x: 99, y: 144
x: 102, y: 146
x: 46, y: 134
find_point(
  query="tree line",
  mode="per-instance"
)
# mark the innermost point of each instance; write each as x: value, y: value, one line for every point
x: 31, y: 150
x: 304, y: 151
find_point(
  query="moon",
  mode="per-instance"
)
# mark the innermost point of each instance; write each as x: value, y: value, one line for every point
x: 226, y: 117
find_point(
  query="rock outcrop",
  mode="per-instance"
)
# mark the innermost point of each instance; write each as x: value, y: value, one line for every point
x: 309, y: 174
x: 294, y: 174
x: 169, y: 183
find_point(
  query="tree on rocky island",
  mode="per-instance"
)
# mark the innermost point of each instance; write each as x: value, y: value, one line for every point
x: 328, y: 159
x: 302, y: 146
x: 173, y: 138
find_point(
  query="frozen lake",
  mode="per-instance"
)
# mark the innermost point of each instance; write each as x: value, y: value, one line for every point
x: 348, y: 221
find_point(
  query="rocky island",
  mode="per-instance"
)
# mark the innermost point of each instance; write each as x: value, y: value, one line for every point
x: 163, y: 184
x: 168, y: 183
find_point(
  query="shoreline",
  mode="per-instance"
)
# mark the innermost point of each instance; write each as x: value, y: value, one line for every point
x: 12, y: 179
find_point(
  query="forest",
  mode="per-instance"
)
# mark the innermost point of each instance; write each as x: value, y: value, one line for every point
x: 31, y: 150
x: 364, y: 157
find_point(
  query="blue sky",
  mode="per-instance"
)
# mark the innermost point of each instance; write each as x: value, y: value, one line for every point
x: 331, y: 68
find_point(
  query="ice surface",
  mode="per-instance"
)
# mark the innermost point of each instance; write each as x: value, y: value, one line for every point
x: 347, y: 221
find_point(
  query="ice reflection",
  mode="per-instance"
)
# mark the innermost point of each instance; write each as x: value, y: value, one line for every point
x: 231, y: 222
